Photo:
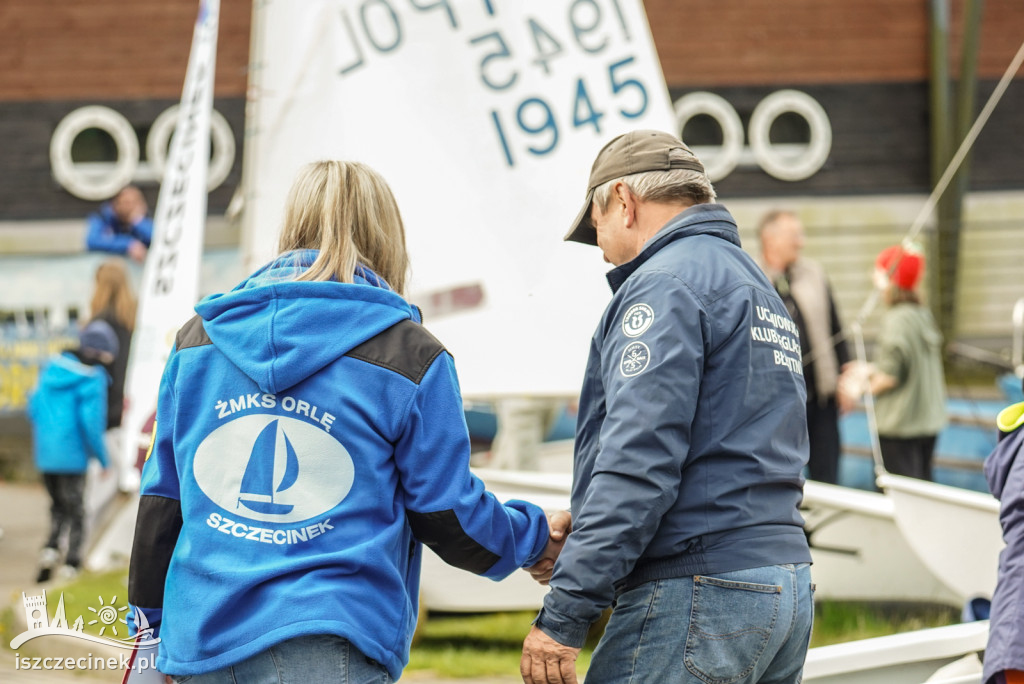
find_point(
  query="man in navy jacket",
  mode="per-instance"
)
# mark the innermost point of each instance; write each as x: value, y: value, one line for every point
x: 690, y: 443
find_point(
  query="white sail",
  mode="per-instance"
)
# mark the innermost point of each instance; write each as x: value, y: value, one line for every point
x: 484, y: 116
x: 170, y: 278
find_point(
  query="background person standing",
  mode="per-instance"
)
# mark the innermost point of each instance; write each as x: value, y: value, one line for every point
x: 114, y: 302
x: 804, y: 288
x: 68, y: 415
x: 906, y: 378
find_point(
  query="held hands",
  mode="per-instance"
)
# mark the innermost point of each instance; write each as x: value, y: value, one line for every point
x: 853, y: 383
x: 560, y: 525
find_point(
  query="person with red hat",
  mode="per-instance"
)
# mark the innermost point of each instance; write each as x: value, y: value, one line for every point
x: 906, y: 379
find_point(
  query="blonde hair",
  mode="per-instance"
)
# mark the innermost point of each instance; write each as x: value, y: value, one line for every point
x: 114, y: 293
x: 346, y: 211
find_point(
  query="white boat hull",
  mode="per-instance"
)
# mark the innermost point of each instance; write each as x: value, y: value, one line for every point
x: 908, y: 658
x: 859, y: 553
x: 954, y: 532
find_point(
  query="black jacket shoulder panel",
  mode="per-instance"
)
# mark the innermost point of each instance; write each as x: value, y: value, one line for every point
x: 406, y: 348
x: 192, y: 334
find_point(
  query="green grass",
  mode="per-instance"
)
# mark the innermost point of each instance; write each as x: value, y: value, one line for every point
x: 482, y: 645
x: 87, y: 595
x: 836, y: 622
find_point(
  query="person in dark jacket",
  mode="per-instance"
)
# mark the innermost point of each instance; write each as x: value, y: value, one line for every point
x: 690, y: 444
x: 114, y: 302
x: 68, y: 414
x: 1004, y: 471
x: 309, y: 438
x: 805, y: 290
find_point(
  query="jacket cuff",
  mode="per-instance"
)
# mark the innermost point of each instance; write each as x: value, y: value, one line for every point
x: 564, y: 630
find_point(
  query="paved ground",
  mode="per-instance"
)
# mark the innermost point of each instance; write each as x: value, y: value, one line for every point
x: 24, y: 518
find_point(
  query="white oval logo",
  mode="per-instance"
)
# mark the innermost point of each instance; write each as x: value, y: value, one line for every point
x: 273, y: 468
x: 635, y: 359
x: 637, y: 320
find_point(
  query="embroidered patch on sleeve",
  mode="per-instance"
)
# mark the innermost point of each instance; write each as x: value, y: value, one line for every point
x: 635, y: 359
x: 637, y: 320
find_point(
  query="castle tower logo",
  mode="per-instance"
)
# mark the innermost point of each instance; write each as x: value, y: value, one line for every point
x: 273, y: 469
x: 108, y: 617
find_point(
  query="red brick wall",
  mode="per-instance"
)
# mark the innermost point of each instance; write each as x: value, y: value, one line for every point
x: 707, y: 43
x: 96, y: 49
x: 100, y: 49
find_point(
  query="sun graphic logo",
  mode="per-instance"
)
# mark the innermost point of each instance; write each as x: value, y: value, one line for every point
x: 107, y: 615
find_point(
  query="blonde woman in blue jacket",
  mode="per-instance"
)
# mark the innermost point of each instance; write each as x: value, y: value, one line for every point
x: 309, y: 438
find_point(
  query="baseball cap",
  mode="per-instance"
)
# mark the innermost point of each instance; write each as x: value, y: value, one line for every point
x: 629, y: 153
x: 904, y: 266
x: 98, y: 336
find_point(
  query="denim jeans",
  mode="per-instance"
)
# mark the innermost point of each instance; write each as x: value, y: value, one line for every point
x: 317, y: 659
x: 736, y: 627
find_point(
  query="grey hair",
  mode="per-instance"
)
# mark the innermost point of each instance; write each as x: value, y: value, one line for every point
x: 676, y: 185
x: 773, y: 216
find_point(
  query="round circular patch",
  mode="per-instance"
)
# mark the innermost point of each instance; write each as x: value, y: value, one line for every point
x: 635, y: 359
x: 637, y: 320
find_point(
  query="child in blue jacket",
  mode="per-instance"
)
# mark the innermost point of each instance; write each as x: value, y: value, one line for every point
x: 68, y: 411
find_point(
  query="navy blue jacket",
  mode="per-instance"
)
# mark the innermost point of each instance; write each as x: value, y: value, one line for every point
x: 1004, y: 471
x: 692, y: 431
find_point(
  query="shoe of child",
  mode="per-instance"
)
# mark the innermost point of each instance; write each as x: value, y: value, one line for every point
x: 67, y: 572
x: 48, y: 557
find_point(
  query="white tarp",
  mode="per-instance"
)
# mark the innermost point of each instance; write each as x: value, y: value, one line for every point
x: 170, y: 278
x: 484, y: 116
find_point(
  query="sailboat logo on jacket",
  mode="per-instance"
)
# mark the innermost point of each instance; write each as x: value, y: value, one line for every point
x: 273, y: 468
x: 258, y: 480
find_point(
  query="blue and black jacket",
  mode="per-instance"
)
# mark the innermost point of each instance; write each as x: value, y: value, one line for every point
x: 309, y: 437
x: 692, y: 428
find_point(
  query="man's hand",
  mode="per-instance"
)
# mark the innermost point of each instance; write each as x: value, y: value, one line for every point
x: 559, y: 525
x: 545, y: 661
x: 137, y: 251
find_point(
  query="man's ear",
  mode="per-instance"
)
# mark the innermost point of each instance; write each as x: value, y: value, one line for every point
x: 626, y: 202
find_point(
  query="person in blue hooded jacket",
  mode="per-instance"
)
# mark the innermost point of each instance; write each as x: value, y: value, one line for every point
x: 690, y: 442
x: 1004, y: 471
x: 68, y: 412
x: 309, y: 437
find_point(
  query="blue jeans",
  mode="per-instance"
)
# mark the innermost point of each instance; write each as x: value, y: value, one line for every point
x: 317, y: 659
x: 729, y: 628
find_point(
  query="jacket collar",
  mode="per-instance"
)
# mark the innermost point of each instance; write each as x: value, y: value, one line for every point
x: 700, y: 219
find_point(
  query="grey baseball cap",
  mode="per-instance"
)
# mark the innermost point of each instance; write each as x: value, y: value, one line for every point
x: 629, y: 153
